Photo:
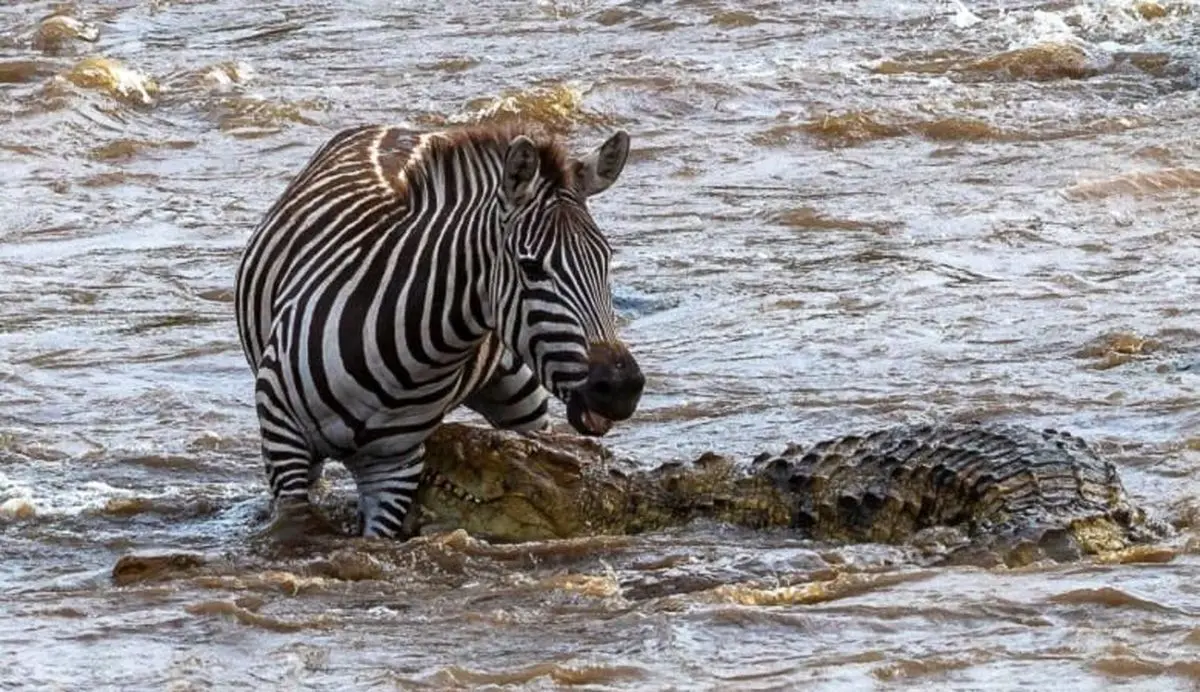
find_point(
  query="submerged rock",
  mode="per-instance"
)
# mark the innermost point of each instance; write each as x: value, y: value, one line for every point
x: 142, y: 568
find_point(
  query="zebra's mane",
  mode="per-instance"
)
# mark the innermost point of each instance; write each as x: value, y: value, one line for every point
x: 555, y: 161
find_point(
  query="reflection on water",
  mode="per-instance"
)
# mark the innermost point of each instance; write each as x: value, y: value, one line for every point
x: 837, y: 215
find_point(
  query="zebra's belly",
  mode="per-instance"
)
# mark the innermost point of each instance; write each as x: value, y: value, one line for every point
x: 375, y: 430
x: 358, y: 407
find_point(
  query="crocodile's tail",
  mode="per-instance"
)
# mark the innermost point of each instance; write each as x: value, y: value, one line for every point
x: 1013, y: 490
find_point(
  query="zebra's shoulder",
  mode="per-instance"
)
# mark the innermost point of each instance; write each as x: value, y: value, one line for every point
x: 345, y: 143
x: 391, y: 151
x: 380, y: 152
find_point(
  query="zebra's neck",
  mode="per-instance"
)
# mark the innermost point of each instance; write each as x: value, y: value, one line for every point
x: 459, y: 278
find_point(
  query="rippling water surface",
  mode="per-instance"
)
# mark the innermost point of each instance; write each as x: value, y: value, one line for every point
x: 838, y: 215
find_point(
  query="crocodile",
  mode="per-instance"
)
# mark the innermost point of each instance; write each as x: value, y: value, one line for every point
x: 1011, y: 492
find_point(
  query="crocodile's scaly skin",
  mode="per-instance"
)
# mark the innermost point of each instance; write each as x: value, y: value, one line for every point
x: 1019, y: 492
x: 1002, y: 484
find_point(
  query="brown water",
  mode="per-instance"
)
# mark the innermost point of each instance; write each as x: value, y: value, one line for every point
x: 838, y: 215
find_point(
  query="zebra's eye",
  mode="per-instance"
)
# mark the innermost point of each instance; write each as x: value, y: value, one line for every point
x: 534, y: 270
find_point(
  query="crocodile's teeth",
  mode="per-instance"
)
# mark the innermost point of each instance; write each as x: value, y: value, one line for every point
x: 443, y: 483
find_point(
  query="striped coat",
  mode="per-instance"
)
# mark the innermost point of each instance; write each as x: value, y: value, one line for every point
x: 402, y: 274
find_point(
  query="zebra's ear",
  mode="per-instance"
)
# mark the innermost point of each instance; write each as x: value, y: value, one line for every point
x: 600, y: 169
x: 520, y: 168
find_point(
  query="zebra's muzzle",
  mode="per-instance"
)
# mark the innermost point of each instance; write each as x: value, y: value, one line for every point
x: 611, y: 393
x: 584, y: 420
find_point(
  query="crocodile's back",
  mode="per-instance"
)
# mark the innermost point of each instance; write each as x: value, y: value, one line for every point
x: 887, y: 485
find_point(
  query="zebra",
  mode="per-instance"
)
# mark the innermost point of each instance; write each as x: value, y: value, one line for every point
x: 402, y: 274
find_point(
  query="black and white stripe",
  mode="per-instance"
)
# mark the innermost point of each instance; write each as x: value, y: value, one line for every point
x: 403, y: 274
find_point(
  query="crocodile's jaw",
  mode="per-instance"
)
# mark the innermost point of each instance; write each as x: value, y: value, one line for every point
x: 443, y: 505
x: 508, y: 487
x: 504, y: 487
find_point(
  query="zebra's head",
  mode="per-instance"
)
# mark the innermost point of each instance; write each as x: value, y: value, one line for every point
x: 555, y: 307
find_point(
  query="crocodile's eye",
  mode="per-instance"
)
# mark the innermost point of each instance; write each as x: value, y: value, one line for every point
x: 533, y: 270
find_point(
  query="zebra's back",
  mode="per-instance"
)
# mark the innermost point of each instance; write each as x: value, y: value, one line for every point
x: 305, y: 233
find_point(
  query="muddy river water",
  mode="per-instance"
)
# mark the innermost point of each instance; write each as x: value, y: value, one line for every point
x: 837, y: 215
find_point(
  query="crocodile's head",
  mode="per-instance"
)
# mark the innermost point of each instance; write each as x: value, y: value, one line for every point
x: 503, y: 486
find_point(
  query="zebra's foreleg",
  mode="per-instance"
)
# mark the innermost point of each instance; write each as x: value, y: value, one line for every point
x: 386, y: 488
x: 512, y: 399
